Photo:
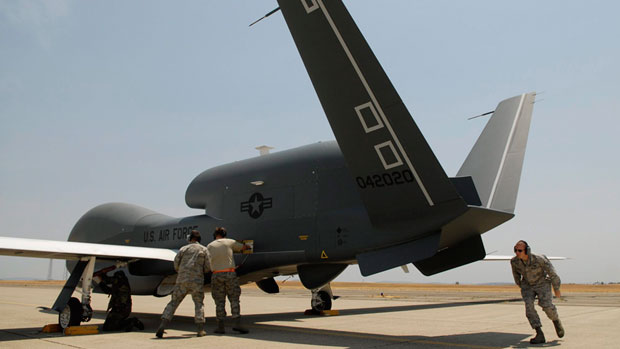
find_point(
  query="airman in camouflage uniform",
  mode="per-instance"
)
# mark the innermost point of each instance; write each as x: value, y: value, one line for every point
x: 119, y: 306
x: 224, y: 279
x: 191, y: 263
x: 535, y: 275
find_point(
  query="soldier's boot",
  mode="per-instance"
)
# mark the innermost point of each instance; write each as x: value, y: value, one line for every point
x: 237, y: 326
x: 134, y: 322
x: 200, y: 326
x: 540, y: 337
x: 558, y: 328
x: 130, y: 324
x: 220, y: 327
x: 162, y: 326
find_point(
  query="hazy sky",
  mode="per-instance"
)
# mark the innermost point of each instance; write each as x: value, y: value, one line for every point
x: 127, y: 101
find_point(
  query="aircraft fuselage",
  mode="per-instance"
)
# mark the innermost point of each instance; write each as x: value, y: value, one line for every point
x: 300, y: 206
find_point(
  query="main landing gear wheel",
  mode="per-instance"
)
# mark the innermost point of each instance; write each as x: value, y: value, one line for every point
x: 322, y: 301
x: 71, y: 315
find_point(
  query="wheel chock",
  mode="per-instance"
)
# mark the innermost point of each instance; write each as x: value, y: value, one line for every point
x: 79, y: 330
x: 330, y: 312
x: 322, y: 312
x: 51, y: 328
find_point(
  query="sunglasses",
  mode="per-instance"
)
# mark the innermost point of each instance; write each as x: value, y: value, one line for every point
x: 517, y: 250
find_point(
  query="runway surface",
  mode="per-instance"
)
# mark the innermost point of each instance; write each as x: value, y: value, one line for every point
x: 405, y: 316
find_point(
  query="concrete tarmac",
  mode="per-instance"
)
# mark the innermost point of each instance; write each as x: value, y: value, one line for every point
x: 480, y: 319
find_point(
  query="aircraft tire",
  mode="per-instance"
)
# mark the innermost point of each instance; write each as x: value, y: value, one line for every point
x: 71, y: 315
x: 322, y: 302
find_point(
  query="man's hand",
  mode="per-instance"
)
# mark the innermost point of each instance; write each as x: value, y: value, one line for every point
x: 557, y: 293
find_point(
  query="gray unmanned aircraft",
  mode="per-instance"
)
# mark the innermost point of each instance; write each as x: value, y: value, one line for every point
x: 376, y: 197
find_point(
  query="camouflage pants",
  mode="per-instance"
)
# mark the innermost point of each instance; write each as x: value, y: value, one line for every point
x: 223, y: 284
x: 543, y: 292
x: 179, y: 292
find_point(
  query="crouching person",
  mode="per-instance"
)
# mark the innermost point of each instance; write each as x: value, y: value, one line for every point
x: 119, y: 306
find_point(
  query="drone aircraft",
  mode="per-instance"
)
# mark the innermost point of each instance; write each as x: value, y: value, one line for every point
x: 376, y: 197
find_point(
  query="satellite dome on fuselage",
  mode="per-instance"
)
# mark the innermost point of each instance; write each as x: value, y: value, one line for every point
x: 284, y: 168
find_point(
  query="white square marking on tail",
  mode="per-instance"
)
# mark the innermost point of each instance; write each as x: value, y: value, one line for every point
x: 369, y: 107
x: 309, y: 8
x: 389, y: 145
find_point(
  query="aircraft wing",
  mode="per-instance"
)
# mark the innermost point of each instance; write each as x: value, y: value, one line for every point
x: 492, y: 257
x: 20, y: 247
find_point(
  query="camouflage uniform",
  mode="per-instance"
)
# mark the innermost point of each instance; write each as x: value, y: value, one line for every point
x: 534, y: 277
x: 119, y: 306
x: 223, y: 284
x: 224, y: 280
x: 191, y: 263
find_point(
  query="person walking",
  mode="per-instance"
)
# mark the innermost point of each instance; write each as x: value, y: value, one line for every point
x: 535, y: 275
x: 191, y: 263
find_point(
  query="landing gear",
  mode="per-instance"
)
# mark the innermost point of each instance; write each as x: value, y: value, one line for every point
x: 70, y: 310
x: 71, y: 315
x: 321, y: 300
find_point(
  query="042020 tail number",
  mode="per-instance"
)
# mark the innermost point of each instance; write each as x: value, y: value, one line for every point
x: 385, y: 180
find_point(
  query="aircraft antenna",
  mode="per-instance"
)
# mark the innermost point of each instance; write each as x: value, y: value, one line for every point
x: 285, y: 280
x: 265, y: 16
x: 536, y: 95
x: 263, y: 149
x: 477, y: 116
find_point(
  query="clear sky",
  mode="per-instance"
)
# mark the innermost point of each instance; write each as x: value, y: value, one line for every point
x: 127, y: 101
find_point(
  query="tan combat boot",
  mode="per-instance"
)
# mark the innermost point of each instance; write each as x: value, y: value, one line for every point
x: 200, y: 326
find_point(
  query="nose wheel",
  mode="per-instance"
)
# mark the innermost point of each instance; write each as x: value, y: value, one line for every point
x: 71, y: 315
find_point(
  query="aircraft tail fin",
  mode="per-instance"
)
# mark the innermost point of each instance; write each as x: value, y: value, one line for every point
x: 496, y: 160
x: 397, y: 174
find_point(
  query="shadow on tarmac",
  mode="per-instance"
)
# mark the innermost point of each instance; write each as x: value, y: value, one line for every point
x: 296, y: 335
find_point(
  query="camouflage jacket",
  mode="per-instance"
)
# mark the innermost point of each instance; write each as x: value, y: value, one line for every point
x: 191, y: 263
x: 537, y: 271
x: 119, y: 291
